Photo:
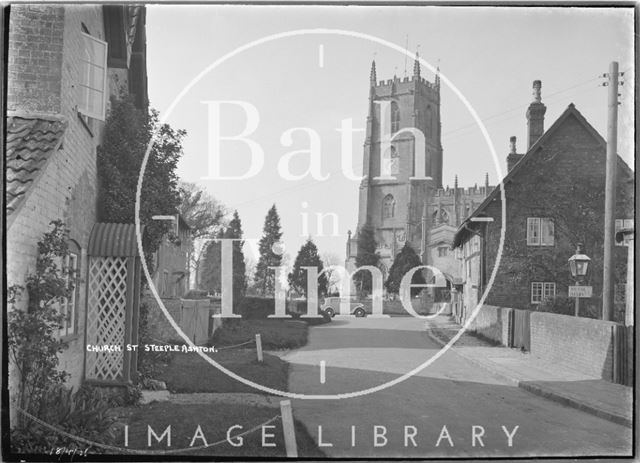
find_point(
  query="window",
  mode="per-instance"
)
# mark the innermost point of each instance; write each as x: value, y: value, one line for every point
x: 69, y: 306
x: 93, y: 78
x: 443, y: 251
x: 391, y: 162
x: 395, y: 161
x: 540, y: 231
x: 388, y: 207
x: 395, y: 117
x: 623, y: 224
x: 542, y: 290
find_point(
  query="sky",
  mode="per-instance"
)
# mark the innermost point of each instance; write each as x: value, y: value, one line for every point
x: 292, y: 93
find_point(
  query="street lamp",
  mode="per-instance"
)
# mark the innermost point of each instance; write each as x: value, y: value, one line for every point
x: 579, y: 264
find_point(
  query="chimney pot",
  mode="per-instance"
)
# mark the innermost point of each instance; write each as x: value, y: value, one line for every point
x: 535, y: 115
x: 512, y: 144
x: 537, y: 91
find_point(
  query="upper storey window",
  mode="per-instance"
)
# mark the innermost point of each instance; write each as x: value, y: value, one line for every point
x: 93, y: 77
x: 540, y: 231
x: 395, y: 117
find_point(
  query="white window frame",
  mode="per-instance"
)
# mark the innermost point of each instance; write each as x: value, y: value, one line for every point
x: 535, y: 228
x: 443, y: 251
x: 69, y: 306
x: 84, y: 83
x: 541, y: 290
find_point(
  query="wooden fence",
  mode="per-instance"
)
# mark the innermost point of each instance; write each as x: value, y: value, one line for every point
x: 622, y: 339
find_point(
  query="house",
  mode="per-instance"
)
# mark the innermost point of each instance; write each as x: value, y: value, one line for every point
x: 554, y: 200
x: 64, y: 63
x: 171, y: 270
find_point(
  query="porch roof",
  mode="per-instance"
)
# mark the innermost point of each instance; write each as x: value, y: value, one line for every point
x: 113, y: 240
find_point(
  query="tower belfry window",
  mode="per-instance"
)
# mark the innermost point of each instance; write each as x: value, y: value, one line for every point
x: 395, y: 117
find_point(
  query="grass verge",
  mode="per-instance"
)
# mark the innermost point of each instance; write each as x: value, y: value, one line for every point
x: 215, y: 421
x: 187, y: 372
x: 275, y: 334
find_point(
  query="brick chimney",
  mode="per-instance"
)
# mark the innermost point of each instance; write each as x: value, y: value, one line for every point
x: 513, y: 157
x: 535, y: 115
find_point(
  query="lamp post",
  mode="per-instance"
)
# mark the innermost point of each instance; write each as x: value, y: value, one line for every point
x: 579, y: 264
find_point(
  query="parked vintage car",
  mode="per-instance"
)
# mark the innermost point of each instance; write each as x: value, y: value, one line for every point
x: 357, y: 307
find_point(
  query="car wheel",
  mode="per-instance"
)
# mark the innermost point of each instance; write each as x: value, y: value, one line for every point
x: 329, y: 311
x: 359, y: 312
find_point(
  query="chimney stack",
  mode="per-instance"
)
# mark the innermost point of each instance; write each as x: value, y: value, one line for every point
x: 535, y: 115
x: 513, y: 157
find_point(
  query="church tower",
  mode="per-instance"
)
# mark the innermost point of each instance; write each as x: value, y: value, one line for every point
x: 394, y: 190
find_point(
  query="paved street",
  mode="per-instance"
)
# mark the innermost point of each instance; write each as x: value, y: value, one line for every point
x: 411, y: 417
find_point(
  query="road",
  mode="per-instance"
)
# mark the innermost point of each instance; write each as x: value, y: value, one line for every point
x: 434, y: 413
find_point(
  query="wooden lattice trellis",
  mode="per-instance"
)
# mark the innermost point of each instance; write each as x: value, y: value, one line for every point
x: 113, y: 304
x: 106, y: 316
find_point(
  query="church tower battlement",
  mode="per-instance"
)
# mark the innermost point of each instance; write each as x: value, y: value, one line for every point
x: 453, y: 205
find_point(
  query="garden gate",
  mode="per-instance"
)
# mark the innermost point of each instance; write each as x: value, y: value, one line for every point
x: 113, y: 300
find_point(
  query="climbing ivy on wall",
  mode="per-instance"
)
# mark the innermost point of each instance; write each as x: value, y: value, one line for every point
x: 127, y: 133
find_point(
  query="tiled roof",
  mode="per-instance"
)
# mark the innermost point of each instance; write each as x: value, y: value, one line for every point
x: 30, y: 142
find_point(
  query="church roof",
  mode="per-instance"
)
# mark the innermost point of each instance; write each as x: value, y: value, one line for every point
x: 464, y: 230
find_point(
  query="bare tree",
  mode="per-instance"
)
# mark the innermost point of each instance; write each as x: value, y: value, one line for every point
x: 333, y: 276
x: 205, y: 216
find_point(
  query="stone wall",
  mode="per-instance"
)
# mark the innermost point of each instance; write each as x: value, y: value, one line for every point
x: 580, y: 344
x: 492, y: 323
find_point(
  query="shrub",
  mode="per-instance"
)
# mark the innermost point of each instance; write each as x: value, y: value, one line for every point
x: 83, y: 413
x: 255, y: 307
x: 33, y: 339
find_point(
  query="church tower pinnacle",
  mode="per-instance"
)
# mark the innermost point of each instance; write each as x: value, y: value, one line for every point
x: 372, y: 75
x: 416, y: 67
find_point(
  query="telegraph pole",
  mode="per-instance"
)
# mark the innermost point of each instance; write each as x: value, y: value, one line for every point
x: 610, y: 195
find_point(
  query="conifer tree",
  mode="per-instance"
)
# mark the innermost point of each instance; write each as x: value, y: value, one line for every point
x: 271, y: 234
x: 307, y: 257
x: 404, y: 261
x: 210, y: 273
x: 234, y: 230
x: 366, y: 255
